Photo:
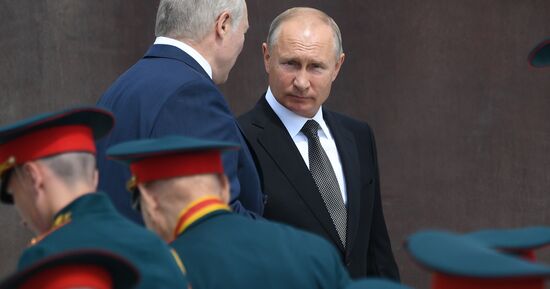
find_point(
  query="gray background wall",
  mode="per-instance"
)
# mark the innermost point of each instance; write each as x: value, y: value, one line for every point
x: 461, y: 121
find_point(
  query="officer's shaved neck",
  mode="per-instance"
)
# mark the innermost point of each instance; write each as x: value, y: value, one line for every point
x: 166, y: 199
x: 57, y: 193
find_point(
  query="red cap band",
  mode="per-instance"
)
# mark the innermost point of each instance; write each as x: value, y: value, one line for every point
x: 176, y: 165
x: 528, y: 255
x: 442, y: 281
x: 47, y: 142
x: 70, y: 276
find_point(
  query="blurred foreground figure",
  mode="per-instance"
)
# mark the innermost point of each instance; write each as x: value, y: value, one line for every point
x: 518, y: 241
x: 376, y: 283
x: 461, y: 262
x: 540, y: 55
x: 90, y: 269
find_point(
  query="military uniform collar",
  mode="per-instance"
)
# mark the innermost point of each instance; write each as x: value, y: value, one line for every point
x: 198, y: 210
x: 65, y: 215
x: 59, y: 221
x: 87, y: 201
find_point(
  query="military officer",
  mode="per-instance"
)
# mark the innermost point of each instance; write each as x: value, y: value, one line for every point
x: 517, y: 241
x: 47, y: 168
x: 539, y: 57
x: 461, y: 262
x: 183, y: 193
x: 376, y: 283
x: 95, y: 269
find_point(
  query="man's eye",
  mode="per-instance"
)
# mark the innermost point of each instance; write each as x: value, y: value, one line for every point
x: 316, y: 66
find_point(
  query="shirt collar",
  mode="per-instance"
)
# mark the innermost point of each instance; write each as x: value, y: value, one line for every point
x: 187, y: 49
x: 292, y: 121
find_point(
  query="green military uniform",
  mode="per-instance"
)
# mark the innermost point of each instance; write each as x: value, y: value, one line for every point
x: 376, y: 283
x: 221, y: 249
x: 224, y: 250
x: 91, y: 221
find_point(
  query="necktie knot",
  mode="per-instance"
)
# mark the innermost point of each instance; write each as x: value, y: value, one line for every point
x: 310, y: 129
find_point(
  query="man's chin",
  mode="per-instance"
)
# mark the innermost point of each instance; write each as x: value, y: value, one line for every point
x: 220, y: 81
x: 302, y: 111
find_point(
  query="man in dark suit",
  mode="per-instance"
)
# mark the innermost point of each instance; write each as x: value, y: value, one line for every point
x: 172, y: 90
x: 319, y: 168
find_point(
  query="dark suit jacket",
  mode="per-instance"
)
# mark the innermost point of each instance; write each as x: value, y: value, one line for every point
x: 168, y: 92
x: 293, y: 197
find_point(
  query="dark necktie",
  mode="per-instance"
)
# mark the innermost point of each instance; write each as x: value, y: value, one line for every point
x: 325, y: 178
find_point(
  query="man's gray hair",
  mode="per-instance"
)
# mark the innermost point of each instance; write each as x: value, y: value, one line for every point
x: 72, y: 168
x: 291, y: 13
x: 193, y: 19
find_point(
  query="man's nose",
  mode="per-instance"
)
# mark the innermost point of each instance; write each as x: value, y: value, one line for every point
x: 301, y: 80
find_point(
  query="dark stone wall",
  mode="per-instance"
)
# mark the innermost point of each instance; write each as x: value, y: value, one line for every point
x: 59, y: 53
x: 462, y: 122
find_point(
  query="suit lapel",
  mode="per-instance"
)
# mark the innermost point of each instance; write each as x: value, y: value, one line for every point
x: 347, y: 150
x: 280, y: 147
x: 172, y: 52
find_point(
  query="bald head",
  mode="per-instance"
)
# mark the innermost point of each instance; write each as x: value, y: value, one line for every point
x: 305, y: 18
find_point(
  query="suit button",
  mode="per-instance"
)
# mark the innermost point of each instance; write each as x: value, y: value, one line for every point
x: 348, y: 263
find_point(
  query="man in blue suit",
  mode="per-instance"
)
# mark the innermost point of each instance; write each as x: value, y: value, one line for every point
x: 172, y: 90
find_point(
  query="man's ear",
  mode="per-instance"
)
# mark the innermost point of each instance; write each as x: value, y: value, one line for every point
x: 145, y: 194
x: 338, y: 65
x: 33, y: 173
x: 95, y: 179
x: 148, y: 197
x: 267, y: 56
x: 224, y: 186
x: 223, y: 24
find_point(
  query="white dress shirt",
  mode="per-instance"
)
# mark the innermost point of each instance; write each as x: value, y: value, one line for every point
x: 187, y: 49
x: 294, y: 123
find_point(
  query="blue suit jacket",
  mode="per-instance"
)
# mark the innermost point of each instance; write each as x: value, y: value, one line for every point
x: 167, y: 92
